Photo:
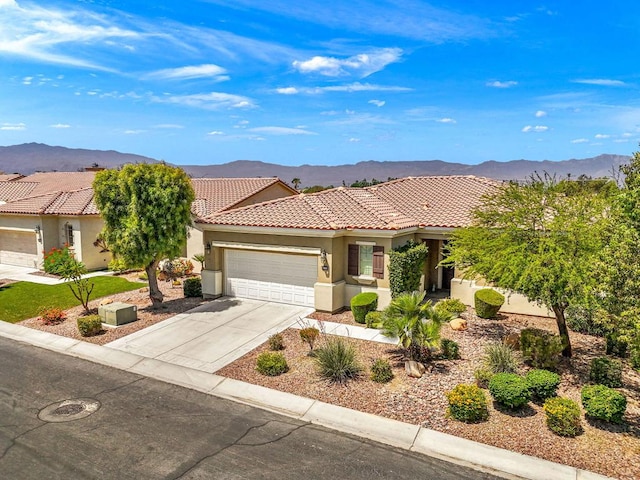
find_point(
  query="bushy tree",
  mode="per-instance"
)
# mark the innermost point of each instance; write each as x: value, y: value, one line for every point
x: 539, y: 238
x: 146, y: 209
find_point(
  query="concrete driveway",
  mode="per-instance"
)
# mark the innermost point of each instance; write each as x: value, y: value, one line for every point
x: 212, y: 335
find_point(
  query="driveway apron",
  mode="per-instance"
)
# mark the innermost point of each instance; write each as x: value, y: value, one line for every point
x: 212, y: 335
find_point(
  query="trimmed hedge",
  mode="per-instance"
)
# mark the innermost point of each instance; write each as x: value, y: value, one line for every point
x: 563, y: 416
x: 543, y: 384
x: 509, y: 390
x: 453, y: 306
x: 467, y: 403
x: 362, y: 304
x: 603, y: 403
x: 487, y: 302
x: 90, y: 325
x: 271, y: 364
x: 406, y: 266
x: 606, y: 371
x: 192, y: 287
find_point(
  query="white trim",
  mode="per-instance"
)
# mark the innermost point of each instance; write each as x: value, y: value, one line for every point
x: 364, y: 279
x: 267, y: 248
x: 295, y: 232
x: 17, y: 229
x: 366, y: 244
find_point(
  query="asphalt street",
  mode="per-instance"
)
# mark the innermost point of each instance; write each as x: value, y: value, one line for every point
x: 125, y: 426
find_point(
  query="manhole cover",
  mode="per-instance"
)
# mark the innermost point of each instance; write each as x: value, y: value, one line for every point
x: 69, y: 410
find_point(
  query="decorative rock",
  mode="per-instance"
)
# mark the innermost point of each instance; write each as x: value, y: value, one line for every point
x: 414, y: 369
x: 458, y: 324
x: 105, y: 301
x: 512, y: 340
x: 144, y: 290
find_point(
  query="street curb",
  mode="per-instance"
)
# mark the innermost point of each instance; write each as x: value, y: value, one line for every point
x: 497, y: 461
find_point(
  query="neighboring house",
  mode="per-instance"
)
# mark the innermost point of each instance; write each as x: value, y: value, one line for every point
x: 48, y: 210
x: 321, y: 249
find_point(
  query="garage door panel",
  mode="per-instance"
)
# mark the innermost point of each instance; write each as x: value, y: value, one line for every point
x: 18, y: 248
x: 273, y: 277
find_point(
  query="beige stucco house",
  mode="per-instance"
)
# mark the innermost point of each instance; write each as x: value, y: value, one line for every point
x: 321, y: 249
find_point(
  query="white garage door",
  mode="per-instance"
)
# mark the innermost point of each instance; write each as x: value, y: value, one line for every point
x: 273, y: 277
x: 18, y: 248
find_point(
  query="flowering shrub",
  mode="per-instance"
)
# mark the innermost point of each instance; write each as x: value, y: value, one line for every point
x: 52, y: 315
x: 563, y: 416
x: 57, y: 259
x: 467, y: 403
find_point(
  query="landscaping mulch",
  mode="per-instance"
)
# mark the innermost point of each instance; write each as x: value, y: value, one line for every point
x: 173, y: 304
x: 606, y: 449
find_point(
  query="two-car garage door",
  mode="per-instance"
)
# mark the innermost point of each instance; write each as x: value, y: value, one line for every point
x: 274, y: 277
x: 18, y: 248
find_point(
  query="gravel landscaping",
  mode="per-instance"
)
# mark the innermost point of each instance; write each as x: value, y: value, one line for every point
x: 606, y: 449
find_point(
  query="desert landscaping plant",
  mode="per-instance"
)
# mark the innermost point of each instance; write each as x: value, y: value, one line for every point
x: 541, y: 348
x: 606, y: 371
x: 450, y: 349
x: 56, y: 259
x: 276, y: 342
x: 271, y: 364
x: 200, y: 258
x: 90, y: 325
x: 452, y: 306
x: 467, y: 403
x: 603, y: 403
x: 487, y: 302
x: 337, y: 361
x: 543, y: 384
x: 309, y: 335
x: 373, y: 319
x: 500, y: 358
x: 52, y: 315
x: 73, y: 272
x: 192, y: 287
x: 482, y: 376
x: 363, y: 303
x: 381, y: 371
x: 563, y: 416
x: 509, y: 390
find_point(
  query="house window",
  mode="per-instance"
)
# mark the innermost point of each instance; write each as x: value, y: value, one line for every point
x: 68, y: 233
x: 366, y: 260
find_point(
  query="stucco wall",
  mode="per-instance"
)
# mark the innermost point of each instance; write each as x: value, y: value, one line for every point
x: 195, y: 245
x: 89, y: 229
x: 270, y: 193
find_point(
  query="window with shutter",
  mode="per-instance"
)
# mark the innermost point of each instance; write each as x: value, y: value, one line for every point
x: 354, y: 256
x: 366, y: 260
x: 378, y: 262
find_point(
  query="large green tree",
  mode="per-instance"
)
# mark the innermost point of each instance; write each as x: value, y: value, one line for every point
x: 146, y: 209
x: 539, y: 238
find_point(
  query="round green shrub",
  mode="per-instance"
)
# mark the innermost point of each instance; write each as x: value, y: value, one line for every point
x: 543, y: 384
x: 337, y: 362
x: 381, y: 371
x: 452, y: 306
x: 373, y: 319
x: 450, y: 349
x: 90, y: 325
x: 603, y: 403
x: 362, y: 304
x: 483, y: 376
x: 509, y: 390
x: 606, y: 371
x: 192, y: 287
x: 271, y: 364
x: 487, y: 302
x: 276, y: 342
x: 467, y: 403
x: 540, y: 348
x: 563, y: 416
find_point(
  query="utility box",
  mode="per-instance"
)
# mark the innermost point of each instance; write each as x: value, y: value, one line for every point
x: 118, y: 313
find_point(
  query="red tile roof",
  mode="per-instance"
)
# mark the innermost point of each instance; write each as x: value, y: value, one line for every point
x: 79, y: 202
x: 6, y: 177
x: 439, y: 201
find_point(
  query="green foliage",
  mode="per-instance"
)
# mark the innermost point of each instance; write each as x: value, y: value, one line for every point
x: 538, y: 238
x: 467, y: 403
x: 381, y: 371
x: 500, y: 358
x: 452, y: 306
x: 52, y: 315
x: 373, y: 319
x: 363, y: 303
x: 582, y: 320
x: 563, y: 416
x: 417, y: 325
x: 540, y: 348
x: 543, y: 384
x: 146, y: 209
x: 606, y: 371
x: 90, y: 325
x: 509, y: 390
x: 450, y: 349
x: 336, y: 361
x: 271, y: 364
x: 57, y: 259
x: 192, y: 287
x: 616, y: 344
x: 73, y: 271
x: 406, y: 266
x: 487, y: 302
x: 276, y: 342
x: 483, y: 376
x: 309, y: 335
x: 200, y: 258
x: 118, y: 265
x: 316, y: 189
x: 176, y: 268
x: 603, y: 403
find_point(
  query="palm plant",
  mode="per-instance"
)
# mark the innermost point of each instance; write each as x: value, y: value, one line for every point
x: 416, y: 324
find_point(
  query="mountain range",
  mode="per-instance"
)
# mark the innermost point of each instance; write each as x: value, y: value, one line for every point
x: 31, y: 157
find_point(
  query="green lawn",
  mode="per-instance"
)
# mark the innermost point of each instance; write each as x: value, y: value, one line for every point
x: 22, y: 300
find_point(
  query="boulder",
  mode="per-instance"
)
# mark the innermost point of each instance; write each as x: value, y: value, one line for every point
x: 144, y: 290
x: 458, y: 324
x: 414, y: 369
x: 105, y: 301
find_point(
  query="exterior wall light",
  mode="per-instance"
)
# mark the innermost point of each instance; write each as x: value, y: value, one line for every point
x: 324, y: 261
x: 207, y: 248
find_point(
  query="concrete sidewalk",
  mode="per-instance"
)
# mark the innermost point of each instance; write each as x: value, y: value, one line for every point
x: 457, y: 450
x: 25, y: 274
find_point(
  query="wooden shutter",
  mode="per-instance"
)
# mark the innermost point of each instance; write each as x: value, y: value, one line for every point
x: 378, y: 262
x: 354, y: 258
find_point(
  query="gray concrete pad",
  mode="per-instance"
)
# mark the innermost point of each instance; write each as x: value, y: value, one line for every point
x: 212, y: 335
x: 25, y: 274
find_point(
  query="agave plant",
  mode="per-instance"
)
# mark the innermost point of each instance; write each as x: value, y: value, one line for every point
x: 416, y: 324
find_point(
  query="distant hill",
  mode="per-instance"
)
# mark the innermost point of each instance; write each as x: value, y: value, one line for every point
x: 30, y: 157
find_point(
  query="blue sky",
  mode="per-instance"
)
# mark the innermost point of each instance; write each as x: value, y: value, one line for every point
x: 321, y: 82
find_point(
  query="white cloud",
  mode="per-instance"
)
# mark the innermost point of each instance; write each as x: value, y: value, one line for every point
x: 208, y: 101
x: 621, y: 140
x: 208, y: 70
x: 540, y: 114
x: 8, y: 3
x: 627, y: 134
x: 604, y: 82
x: 287, y: 90
x: 60, y: 125
x: 446, y: 120
x: 13, y: 126
x: 358, y: 87
x: 377, y: 103
x: 281, y: 131
x: 354, y: 140
x: 499, y: 84
x: 133, y: 132
x: 361, y: 65
x: 580, y: 140
x: 215, y: 132
x: 169, y: 126
x: 537, y: 128
x: 27, y: 80
x: 601, y: 135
